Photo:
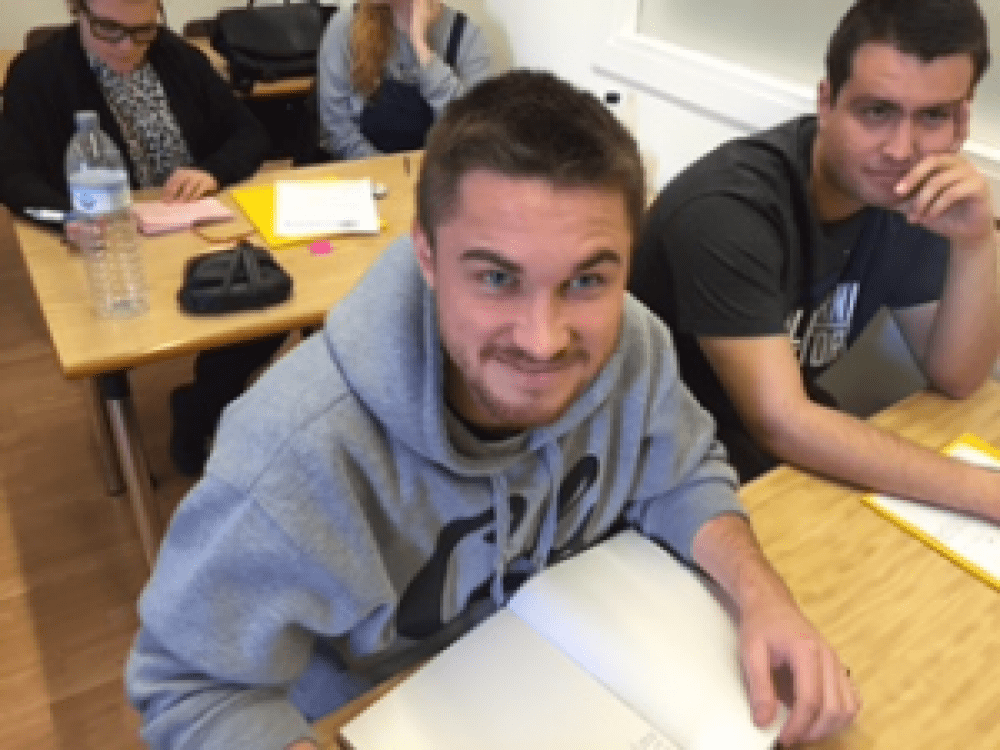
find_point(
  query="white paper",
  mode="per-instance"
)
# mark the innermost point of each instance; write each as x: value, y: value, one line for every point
x: 967, y: 537
x: 315, y: 207
x: 618, y: 648
x: 501, y: 687
x: 655, y: 634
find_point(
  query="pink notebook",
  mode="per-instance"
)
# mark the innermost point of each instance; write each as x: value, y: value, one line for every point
x: 157, y: 217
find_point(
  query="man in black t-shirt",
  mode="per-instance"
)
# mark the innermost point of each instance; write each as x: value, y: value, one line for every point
x: 768, y: 256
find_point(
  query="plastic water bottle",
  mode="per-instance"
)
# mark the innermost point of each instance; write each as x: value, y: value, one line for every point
x: 108, y: 240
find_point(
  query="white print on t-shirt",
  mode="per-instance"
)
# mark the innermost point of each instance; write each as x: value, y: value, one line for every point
x: 824, y: 339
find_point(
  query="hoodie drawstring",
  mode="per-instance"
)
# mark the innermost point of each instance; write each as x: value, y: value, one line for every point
x: 551, y: 457
x: 548, y: 524
x: 501, y: 507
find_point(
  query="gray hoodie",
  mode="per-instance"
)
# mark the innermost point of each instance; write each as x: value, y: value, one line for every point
x: 348, y: 525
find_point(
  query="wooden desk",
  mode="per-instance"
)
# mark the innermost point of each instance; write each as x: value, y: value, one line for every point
x: 261, y: 90
x: 103, y: 350
x: 6, y: 58
x: 920, y: 635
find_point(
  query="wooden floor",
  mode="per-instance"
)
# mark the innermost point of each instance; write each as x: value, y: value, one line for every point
x: 70, y: 565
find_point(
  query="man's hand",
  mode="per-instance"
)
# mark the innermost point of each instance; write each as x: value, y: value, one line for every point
x: 776, y: 637
x: 188, y: 184
x: 950, y: 197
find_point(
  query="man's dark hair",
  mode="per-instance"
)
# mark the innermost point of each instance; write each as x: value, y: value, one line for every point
x: 528, y: 124
x: 926, y: 29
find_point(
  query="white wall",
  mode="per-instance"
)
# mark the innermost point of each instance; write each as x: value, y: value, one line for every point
x: 22, y: 15
x: 558, y: 35
x: 720, y: 28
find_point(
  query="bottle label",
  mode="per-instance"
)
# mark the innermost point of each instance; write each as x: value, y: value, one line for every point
x: 96, y: 192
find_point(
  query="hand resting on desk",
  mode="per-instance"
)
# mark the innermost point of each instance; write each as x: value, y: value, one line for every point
x: 188, y: 184
x: 776, y: 638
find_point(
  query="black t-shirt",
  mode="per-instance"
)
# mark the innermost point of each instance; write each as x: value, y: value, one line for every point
x: 732, y: 247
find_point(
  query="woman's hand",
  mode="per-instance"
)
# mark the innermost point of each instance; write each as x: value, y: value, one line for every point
x: 188, y: 184
x: 421, y: 16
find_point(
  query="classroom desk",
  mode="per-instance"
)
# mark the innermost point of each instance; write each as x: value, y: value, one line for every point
x: 102, y: 351
x: 6, y: 58
x: 920, y: 635
x: 262, y: 89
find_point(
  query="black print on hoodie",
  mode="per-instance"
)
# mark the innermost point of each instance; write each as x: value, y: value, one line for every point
x: 419, y: 613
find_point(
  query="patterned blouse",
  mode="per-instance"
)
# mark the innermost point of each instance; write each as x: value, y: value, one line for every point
x: 137, y: 100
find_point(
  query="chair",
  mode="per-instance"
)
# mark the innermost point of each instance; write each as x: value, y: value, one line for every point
x: 198, y: 28
x: 307, y: 149
x: 39, y: 34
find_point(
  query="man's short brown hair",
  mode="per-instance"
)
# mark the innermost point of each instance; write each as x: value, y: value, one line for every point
x: 528, y: 124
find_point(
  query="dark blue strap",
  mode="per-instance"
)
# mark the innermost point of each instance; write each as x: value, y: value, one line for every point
x: 451, y: 51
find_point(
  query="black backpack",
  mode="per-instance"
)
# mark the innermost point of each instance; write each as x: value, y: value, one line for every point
x: 270, y: 42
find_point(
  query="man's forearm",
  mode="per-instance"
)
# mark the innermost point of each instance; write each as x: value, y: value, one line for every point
x: 727, y: 550
x: 965, y: 335
x: 844, y: 447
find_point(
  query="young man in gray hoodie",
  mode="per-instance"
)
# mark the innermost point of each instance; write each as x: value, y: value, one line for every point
x: 487, y: 401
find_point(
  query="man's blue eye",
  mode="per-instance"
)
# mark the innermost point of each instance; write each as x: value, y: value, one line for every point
x: 587, y: 281
x: 497, y: 279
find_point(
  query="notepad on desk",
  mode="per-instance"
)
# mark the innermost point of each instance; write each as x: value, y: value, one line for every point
x: 621, y: 647
x: 314, y: 207
x: 271, y: 208
x: 160, y: 217
x: 971, y: 543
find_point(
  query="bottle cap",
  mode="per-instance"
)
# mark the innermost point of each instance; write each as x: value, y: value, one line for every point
x: 85, y: 118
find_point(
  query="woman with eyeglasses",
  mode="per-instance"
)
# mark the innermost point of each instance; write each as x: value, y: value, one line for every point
x: 176, y: 121
x: 179, y: 127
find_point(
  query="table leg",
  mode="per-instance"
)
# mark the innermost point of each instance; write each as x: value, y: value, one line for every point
x: 107, y: 453
x: 117, y: 399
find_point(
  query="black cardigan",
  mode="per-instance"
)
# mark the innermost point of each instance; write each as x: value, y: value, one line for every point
x: 47, y: 84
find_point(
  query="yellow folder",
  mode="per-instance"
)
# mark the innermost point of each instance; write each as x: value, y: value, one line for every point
x: 257, y: 203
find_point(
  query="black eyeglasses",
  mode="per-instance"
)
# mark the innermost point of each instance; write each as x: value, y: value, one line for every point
x: 113, y: 32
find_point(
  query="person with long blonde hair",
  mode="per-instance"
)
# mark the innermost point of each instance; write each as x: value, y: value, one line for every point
x: 386, y: 70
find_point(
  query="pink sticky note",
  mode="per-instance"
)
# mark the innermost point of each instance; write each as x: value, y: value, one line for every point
x: 321, y: 247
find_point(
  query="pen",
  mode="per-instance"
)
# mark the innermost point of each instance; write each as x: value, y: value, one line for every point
x: 406, y: 165
x: 52, y: 215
